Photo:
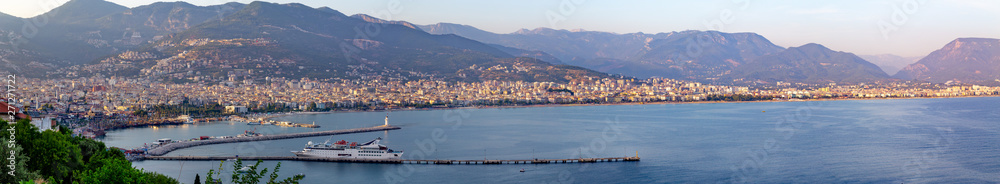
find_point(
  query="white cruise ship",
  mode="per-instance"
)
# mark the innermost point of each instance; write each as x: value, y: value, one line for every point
x: 343, y: 149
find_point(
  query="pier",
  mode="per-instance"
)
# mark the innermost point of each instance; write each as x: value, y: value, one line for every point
x: 398, y: 161
x: 167, y: 148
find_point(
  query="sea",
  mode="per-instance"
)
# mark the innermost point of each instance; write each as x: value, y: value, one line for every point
x: 939, y: 140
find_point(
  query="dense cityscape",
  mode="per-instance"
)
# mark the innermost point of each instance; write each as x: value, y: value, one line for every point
x: 124, y: 102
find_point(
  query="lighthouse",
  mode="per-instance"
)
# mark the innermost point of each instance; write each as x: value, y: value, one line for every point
x: 386, y: 119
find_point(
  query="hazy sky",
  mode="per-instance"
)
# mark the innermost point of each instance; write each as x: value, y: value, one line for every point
x: 908, y: 28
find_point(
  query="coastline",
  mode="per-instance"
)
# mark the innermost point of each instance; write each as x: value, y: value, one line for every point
x: 610, y: 104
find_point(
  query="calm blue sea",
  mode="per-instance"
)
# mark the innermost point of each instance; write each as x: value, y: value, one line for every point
x: 954, y: 140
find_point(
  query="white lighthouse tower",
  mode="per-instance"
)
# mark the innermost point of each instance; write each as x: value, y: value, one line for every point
x: 386, y: 119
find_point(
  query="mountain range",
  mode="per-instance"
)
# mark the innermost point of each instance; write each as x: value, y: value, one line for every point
x: 966, y: 60
x: 221, y: 42
x: 810, y: 63
x: 83, y: 31
x: 315, y: 40
x: 707, y: 56
x: 181, y: 42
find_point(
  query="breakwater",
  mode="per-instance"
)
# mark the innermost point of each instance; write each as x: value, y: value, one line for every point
x: 167, y: 148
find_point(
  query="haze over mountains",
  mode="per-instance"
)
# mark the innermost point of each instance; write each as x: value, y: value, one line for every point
x: 707, y: 56
x: 968, y: 60
x: 810, y: 63
x: 890, y: 63
x: 180, y: 42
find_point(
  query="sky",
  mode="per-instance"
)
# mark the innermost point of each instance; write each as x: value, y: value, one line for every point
x: 901, y: 27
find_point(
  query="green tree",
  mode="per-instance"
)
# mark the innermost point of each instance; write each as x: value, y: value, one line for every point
x: 53, y: 155
x: 51, y: 152
x: 20, y: 171
x: 114, y: 171
x: 251, y: 175
x: 139, y: 112
x: 157, y: 178
x: 62, y: 158
x: 197, y: 179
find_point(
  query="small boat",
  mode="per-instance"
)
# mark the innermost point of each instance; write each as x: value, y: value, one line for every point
x: 300, y: 174
x: 245, y: 169
x: 522, y: 170
x: 186, y: 119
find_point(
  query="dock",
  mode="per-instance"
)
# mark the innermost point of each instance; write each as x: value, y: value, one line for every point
x: 399, y: 161
x: 167, y: 148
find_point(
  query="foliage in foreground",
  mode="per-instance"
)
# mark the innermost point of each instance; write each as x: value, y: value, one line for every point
x: 249, y: 176
x: 58, y: 157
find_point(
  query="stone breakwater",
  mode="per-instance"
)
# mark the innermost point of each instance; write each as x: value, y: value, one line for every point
x: 167, y: 148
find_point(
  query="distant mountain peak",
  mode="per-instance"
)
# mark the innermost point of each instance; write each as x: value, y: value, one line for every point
x: 890, y: 63
x: 368, y: 18
x: 444, y: 25
x: 970, y: 60
x: 264, y: 4
x: 814, y: 49
x: 971, y: 42
x: 522, y: 31
x: 540, y: 30
x: 175, y: 3
x: 810, y: 63
x: 87, y: 1
x: 83, y: 10
x: 450, y: 28
x: 300, y: 5
x: 974, y: 39
x: 813, y: 46
x: 261, y: 4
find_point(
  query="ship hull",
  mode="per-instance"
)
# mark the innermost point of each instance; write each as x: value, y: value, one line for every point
x: 341, y: 149
x: 349, y: 153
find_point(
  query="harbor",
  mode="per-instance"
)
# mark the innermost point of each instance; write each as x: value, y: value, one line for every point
x: 168, y: 146
x: 157, y: 152
x: 399, y: 161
